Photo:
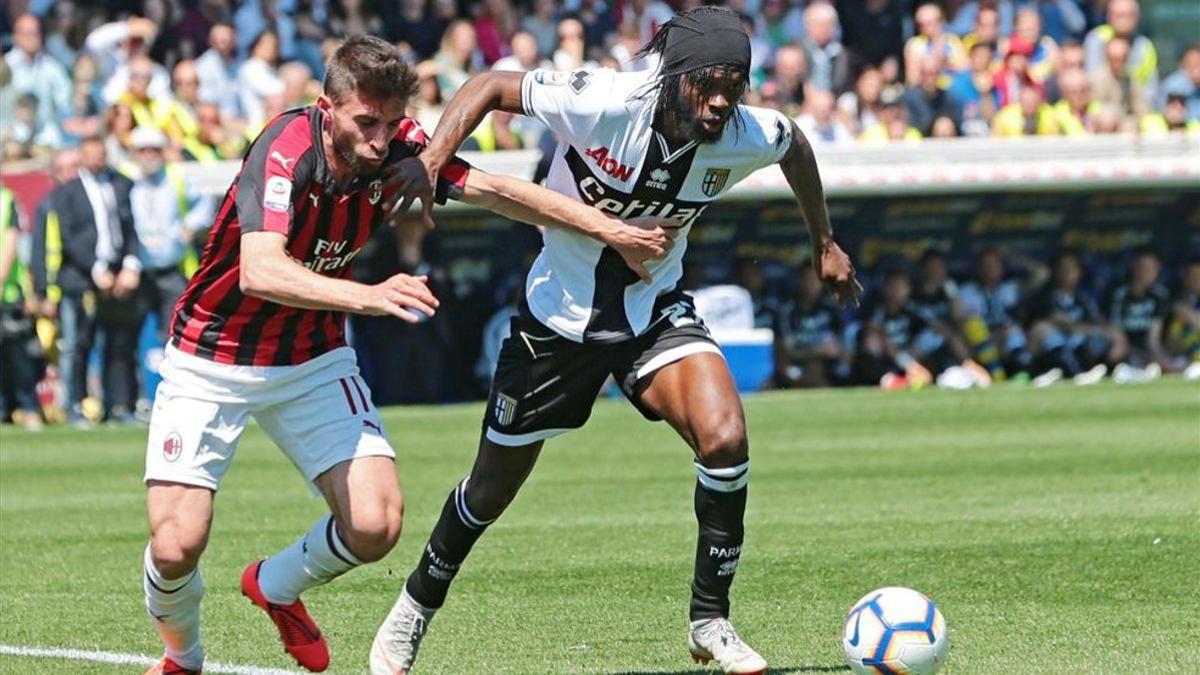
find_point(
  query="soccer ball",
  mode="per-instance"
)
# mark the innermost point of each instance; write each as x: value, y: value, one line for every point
x: 895, y: 631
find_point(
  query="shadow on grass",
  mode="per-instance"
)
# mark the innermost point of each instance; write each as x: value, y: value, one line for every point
x: 772, y: 671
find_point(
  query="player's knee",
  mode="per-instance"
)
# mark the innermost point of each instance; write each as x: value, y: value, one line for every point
x: 174, y: 556
x: 723, y: 444
x: 372, y: 533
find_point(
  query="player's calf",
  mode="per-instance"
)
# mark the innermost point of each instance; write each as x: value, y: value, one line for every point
x: 173, y: 603
x: 457, y: 530
x: 720, y: 504
x: 179, y: 520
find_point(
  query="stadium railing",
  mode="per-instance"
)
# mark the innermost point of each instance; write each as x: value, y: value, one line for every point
x: 929, y: 167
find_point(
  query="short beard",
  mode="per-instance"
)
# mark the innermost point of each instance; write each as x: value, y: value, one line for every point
x: 674, y: 105
x: 345, y: 153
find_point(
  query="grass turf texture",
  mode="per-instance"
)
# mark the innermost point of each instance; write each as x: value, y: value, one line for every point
x: 1058, y: 530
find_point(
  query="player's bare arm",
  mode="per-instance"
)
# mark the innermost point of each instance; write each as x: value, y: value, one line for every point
x: 483, y: 93
x: 833, y: 265
x: 477, y: 97
x: 268, y: 272
x: 637, y: 239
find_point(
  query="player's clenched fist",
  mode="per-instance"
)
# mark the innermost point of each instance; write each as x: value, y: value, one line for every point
x: 399, y: 294
x: 837, y: 273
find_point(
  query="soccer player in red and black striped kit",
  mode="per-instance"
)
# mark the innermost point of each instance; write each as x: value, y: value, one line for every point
x: 259, y: 332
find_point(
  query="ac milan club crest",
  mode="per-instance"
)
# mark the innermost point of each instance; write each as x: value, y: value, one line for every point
x: 173, y: 446
x: 376, y: 188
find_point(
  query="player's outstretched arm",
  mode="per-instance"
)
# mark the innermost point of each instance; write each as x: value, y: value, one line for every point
x: 268, y: 272
x: 637, y: 240
x: 831, y: 262
x: 479, y: 95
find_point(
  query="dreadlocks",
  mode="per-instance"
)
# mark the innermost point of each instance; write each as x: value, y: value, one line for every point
x: 706, y: 45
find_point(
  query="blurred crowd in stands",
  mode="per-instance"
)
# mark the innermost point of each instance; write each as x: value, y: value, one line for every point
x: 209, y: 73
x: 110, y: 94
x: 1010, y: 318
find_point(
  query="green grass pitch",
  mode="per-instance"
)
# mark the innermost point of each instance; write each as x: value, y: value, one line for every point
x: 1058, y: 529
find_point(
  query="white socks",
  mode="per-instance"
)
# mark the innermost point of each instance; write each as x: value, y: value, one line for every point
x: 316, y: 558
x: 174, y: 607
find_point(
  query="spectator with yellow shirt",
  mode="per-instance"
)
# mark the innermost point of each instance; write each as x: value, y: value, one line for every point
x: 214, y: 140
x: 1028, y: 27
x: 1113, y: 86
x: 932, y: 40
x: 1029, y: 116
x: 137, y: 95
x: 1142, y: 61
x: 986, y: 30
x: 1075, y: 111
x: 892, y: 124
x: 1172, y: 119
x: 176, y: 116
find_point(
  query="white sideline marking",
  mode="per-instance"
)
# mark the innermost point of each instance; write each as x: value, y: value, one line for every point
x: 129, y: 659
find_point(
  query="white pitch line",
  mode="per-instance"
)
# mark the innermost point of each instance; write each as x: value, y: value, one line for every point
x: 120, y: 658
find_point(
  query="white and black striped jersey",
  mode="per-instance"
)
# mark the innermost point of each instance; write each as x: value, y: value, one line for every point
x: 611, y: 156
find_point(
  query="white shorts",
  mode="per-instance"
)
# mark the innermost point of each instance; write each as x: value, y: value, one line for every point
x: 319, y: 412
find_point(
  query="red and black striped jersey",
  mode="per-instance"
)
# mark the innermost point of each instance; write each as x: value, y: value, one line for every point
x: 285, y: 186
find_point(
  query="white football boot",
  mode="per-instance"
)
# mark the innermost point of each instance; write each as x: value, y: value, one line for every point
x: 1048, y: 378
x: 396, y: 643
x: 716, y: 640
x: 1090, y: 377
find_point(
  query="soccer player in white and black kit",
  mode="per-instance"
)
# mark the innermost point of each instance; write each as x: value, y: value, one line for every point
x: 667, y: 143
x: 260, y: 332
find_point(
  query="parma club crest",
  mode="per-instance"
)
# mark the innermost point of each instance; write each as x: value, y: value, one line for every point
x: 714, y: 181
x: 505, y: 409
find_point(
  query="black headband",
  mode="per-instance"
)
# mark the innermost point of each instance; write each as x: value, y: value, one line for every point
x: 706, y: 37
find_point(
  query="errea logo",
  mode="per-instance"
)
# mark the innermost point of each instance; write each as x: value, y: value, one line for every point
x: 658, y: 179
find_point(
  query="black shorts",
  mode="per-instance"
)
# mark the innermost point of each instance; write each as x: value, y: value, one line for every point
x: 545, y: 384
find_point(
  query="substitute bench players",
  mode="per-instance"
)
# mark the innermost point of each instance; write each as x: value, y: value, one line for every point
x: 259, y: 332
x: 667, y: 143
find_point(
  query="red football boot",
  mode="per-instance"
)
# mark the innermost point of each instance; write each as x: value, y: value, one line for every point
x: 301, y: 637
x: 169, y: 667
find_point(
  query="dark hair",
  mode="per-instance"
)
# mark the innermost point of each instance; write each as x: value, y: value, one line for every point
x: 1191, y: 47
x: 989, y: 251
x: 895, y: 274
x: 263, y: 36
x: 1064, y: 253
x: 931, y: 254
x: 371, y: 66
x: 668, y: 86
x: 1143, y: 252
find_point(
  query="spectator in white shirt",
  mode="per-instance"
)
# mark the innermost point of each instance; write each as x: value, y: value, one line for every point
x: 35, y: 72
x: 218, y: 69
x: 818, y: 121
x: 114, y: 45
x: 258, y: 79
